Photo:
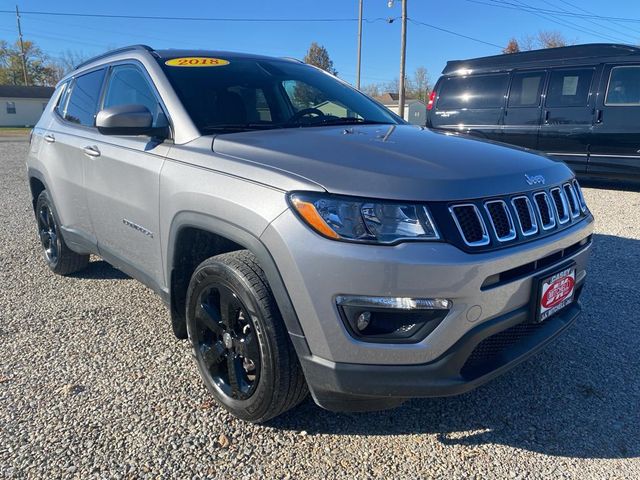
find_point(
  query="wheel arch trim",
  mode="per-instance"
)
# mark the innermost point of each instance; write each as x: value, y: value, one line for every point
x: 250, y: 242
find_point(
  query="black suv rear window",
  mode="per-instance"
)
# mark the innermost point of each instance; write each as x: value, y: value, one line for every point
x: 526, y: 88
x: 569, y: 88
x: 481, y: 91
x: 624, y: 86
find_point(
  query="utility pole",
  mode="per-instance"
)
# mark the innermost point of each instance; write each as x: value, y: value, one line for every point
x: 359, y: 45
x: 24, y: 58
x: 403, y: 51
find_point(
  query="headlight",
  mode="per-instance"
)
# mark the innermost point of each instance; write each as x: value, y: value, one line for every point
x: 361, y: 220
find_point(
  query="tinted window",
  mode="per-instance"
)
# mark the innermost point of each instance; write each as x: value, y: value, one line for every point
x: 83, y: 101
x: 569, y: 88
x: 250, y: 94
x: 526, y: 89
x: 482, y: 91
x: 624, y: 86
x: 128, y: 86
x: 62, y: 100
x: 11, y: 107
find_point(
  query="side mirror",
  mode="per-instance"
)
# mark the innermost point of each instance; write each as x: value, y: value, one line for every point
x: 127, y: 120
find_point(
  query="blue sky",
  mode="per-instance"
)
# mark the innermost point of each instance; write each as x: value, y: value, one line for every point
x: 381, y: 41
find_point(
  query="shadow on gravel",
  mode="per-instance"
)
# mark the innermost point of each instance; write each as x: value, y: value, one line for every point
x: 580, y: 397
x: 100, y: 270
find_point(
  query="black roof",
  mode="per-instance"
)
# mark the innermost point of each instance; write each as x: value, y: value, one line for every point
x: 20, y: 91
x: 572, y: 55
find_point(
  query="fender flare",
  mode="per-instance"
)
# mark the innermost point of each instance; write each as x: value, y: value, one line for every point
x: 237, y: 234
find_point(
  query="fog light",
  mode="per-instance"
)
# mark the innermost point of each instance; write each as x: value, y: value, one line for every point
x: 391, y: 319
x: 363, y: 320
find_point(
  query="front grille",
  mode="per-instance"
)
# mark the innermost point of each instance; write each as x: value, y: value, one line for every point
x: 572, y: 199
x: 497, y: 222
x: 525, y: 215
x: 500, y: 219
x: 470, y: 224
x: 488, y: 352
x: 560, y: 204
x: 547, y: 216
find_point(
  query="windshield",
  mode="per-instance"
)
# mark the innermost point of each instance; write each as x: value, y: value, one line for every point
x: 249, y: 94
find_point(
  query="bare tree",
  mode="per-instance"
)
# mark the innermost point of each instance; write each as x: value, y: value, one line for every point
x: 551, y: 39
x: 543, y: 39
x: 420, y: 85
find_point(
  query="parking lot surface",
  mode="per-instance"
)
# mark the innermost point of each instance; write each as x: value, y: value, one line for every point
x: 94, y: 384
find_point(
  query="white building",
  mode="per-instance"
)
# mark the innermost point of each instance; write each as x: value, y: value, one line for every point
x: 415, y: 111
x: 22, y: 106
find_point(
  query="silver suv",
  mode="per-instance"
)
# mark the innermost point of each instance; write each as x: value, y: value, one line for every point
x: 303, y: 237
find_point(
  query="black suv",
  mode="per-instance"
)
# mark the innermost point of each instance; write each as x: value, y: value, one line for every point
x: 579, y: 104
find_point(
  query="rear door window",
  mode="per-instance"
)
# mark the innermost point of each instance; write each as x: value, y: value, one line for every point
x: 481, y: 91
x: 569, y: 88
x: 83, y: 102
x: 526, y: 89
x: 624, y: 87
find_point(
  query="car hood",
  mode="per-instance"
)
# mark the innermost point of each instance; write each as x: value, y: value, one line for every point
x: 400, y: 162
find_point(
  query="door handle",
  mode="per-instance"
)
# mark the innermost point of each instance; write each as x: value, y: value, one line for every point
x: 49, y: 138
x: 92, y: 151
x: 599, y: 116
x: 546, y: 116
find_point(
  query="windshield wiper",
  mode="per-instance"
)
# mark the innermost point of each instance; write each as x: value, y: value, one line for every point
x: 342, y: 121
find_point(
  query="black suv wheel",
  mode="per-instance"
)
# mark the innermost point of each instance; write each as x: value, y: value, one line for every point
x: 59, y: 257
x: 239, y: 340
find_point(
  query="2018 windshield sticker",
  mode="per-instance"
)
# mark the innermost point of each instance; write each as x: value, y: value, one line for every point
x: 196, y: 62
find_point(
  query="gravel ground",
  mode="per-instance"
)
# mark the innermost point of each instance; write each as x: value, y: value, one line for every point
x: 93, y: 384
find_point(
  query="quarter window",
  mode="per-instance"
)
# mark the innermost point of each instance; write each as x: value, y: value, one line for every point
x: 569, y: 88
x: 11, y: 107
x: 526, y: 89
x: 83, y: 100
x: 128, y: 86
x: 624, y: 87
x: 481, y: 91
x: 62, y: 100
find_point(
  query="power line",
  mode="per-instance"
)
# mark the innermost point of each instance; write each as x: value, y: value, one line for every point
x: 195, y: 19
x: 568, y: 24
x: 416, y: 22
x: 599, y: 25
x: 514, y: 6
x: 612, y: 22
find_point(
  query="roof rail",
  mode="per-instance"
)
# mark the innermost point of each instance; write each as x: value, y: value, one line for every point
x: 113, y: 52
x: 293, y: 59
x: 543, y: 57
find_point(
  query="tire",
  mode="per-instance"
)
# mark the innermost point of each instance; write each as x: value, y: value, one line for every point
x: 59, y: 257
x: 239, y: 341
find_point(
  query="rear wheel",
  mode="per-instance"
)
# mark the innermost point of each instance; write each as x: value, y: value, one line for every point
x: 239, y: 341
x: 59, y: 257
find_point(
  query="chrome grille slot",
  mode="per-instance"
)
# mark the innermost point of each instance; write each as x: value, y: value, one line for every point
x: 525, y: 215
x: 576, y: 186
x: 470, y: 224
x: 560, y: 204
x: 545, y: 211
x: 572, y: 199
x: 500, y: 219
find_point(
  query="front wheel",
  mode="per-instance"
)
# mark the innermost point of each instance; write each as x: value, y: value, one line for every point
x: 59, y: 257
x: 239, y: 340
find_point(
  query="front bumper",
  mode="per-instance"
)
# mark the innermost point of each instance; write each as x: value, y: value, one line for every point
x: 345, y: 373
x: 484, y: 353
